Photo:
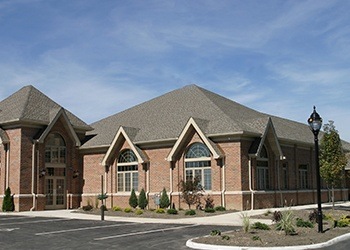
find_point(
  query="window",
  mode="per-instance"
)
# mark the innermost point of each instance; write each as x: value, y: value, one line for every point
x: 262, y: 170
x: 127, y: 172
x: 55, y: 149
x: 303, y: 177
x: 198, y: 164
x: 284, y: 176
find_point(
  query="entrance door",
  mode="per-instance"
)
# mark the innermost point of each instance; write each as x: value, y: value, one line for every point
x: 55, y: 192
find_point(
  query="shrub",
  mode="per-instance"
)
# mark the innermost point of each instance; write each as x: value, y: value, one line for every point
x: 209, y: 210
x: 277, y: 216
x: 139, y: 211
x: 171, y: 211
x: 245, y: 222
x: 133, y: 199
x: 209, y: 202
x: 215, y: 232
x: 117, y: 208
x: 87, y: 207
x: 190, y: 212
x: 256, y: 237
x: 328, y: 217
x: 286, y: 223
x: 7, y: 203
x: 260, y: 226
x: 343, y: 222
x: 225, y: 237
x: 164, y: 201
x: 267, y: 213
x: 128, y: 210
x: 303, y: 223
x: 143, y: 202
x: 160, y: 211
x: 313, y: 216
x: 220, y: 208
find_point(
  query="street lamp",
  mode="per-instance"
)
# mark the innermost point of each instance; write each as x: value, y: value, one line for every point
x: 315, y: 123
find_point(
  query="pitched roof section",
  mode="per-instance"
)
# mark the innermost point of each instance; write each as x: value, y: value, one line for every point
x: 164, y: 117
x: 29, y: 105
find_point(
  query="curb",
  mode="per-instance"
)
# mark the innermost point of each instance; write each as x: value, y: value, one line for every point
x: 329, y: 243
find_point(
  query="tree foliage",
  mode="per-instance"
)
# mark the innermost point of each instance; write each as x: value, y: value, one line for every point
x: 143, y: 202
x: 164, y: 201
x: 332, y: 156
x: 191, y: 191
x: 7, y: 203
x: 133, y: 202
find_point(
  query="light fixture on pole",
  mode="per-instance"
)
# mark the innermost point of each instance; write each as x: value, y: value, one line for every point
x: 315, y: 123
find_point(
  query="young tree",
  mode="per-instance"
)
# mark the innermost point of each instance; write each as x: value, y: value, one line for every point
x: 7, y: 203
x: 143, y: 202
x: 133, y: 199
x: 332, y: 157
x: 164, y: 201
x: 191, y: 191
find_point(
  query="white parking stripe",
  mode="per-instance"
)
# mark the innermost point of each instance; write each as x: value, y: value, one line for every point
x: 146, y: 232
x: 84, y: 228
x: 31, y: 222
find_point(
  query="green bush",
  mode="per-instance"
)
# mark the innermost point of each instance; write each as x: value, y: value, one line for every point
x: 225, y: 237
x: 303, y: 223
x: 139, y: 211
x: 171, y: 211
x: 7, y: 203
x: 343, y: 222
x: 245, y: 222
x: 133, y: 202
x: 160, y: 211
x: 190, y: 212
x: 87, y: 207
x: 220, y: 208
x: 143, y: 202
x: 260, y: 226
x: 215, y: 232
x: 286, y: 223
x: 117, y: 208
x: 209, y: 210
x: 164, y: 201
x: 128, y: 210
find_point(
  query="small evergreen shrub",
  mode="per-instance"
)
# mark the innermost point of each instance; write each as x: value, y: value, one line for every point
x: 7, y: 203
x: 164, y: 201
x: 87, y: 207
x: 343, y: 222
x: 117, y: 208
x: 260, y: 226
x: 209, y: 210
x: 303, y: 223
x: 256, y: 237
x: 215, y: 232
x: 225, y: 237
x: 133, y: 202
x: 190, y: 212
x: 160, y: 211
x: 220, y: 208
x: 139, y: 211
x: 128, y: 210
x: 172, y: 211
x: 142, y: 202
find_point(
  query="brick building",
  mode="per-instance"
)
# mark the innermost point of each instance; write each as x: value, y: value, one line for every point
x: 245, y: 159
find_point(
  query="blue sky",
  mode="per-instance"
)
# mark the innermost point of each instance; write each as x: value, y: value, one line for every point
x: 96, y: 58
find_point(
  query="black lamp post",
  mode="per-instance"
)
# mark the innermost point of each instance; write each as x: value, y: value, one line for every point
x: 315, y: 123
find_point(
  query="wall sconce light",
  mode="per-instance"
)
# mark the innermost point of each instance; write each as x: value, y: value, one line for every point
x: 42, y: 172
x: 75, y: 174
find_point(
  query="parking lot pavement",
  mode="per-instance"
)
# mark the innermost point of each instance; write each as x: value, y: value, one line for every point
x: 20, y: 232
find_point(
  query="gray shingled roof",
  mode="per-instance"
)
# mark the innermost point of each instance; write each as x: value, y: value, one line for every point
x: 164, y: 118
x: 29, y: 105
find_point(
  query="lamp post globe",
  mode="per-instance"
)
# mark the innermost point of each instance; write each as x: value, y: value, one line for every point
x: 315, y: 123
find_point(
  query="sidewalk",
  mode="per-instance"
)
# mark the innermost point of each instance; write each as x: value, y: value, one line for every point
x: 228, y: 219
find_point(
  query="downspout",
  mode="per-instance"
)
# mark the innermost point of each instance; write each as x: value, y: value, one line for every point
x: 33, y: 176
x: 250, y: 184
x: 223, y: 182
x: 279, y: 181
x: 171, y: 183
x: 7, y: 165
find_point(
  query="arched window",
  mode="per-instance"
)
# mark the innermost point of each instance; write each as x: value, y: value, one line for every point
x: 262, y: 170
x: 55, y: 149
x: 198, y: 164
x: 127, y: 171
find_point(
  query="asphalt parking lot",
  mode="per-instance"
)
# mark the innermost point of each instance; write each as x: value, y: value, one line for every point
x: 19, y: 232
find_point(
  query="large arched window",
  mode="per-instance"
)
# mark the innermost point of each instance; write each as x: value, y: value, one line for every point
x: 55, y: 149
x: 127, y: 171
x: 198, y: 164
x: 262, y: 170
